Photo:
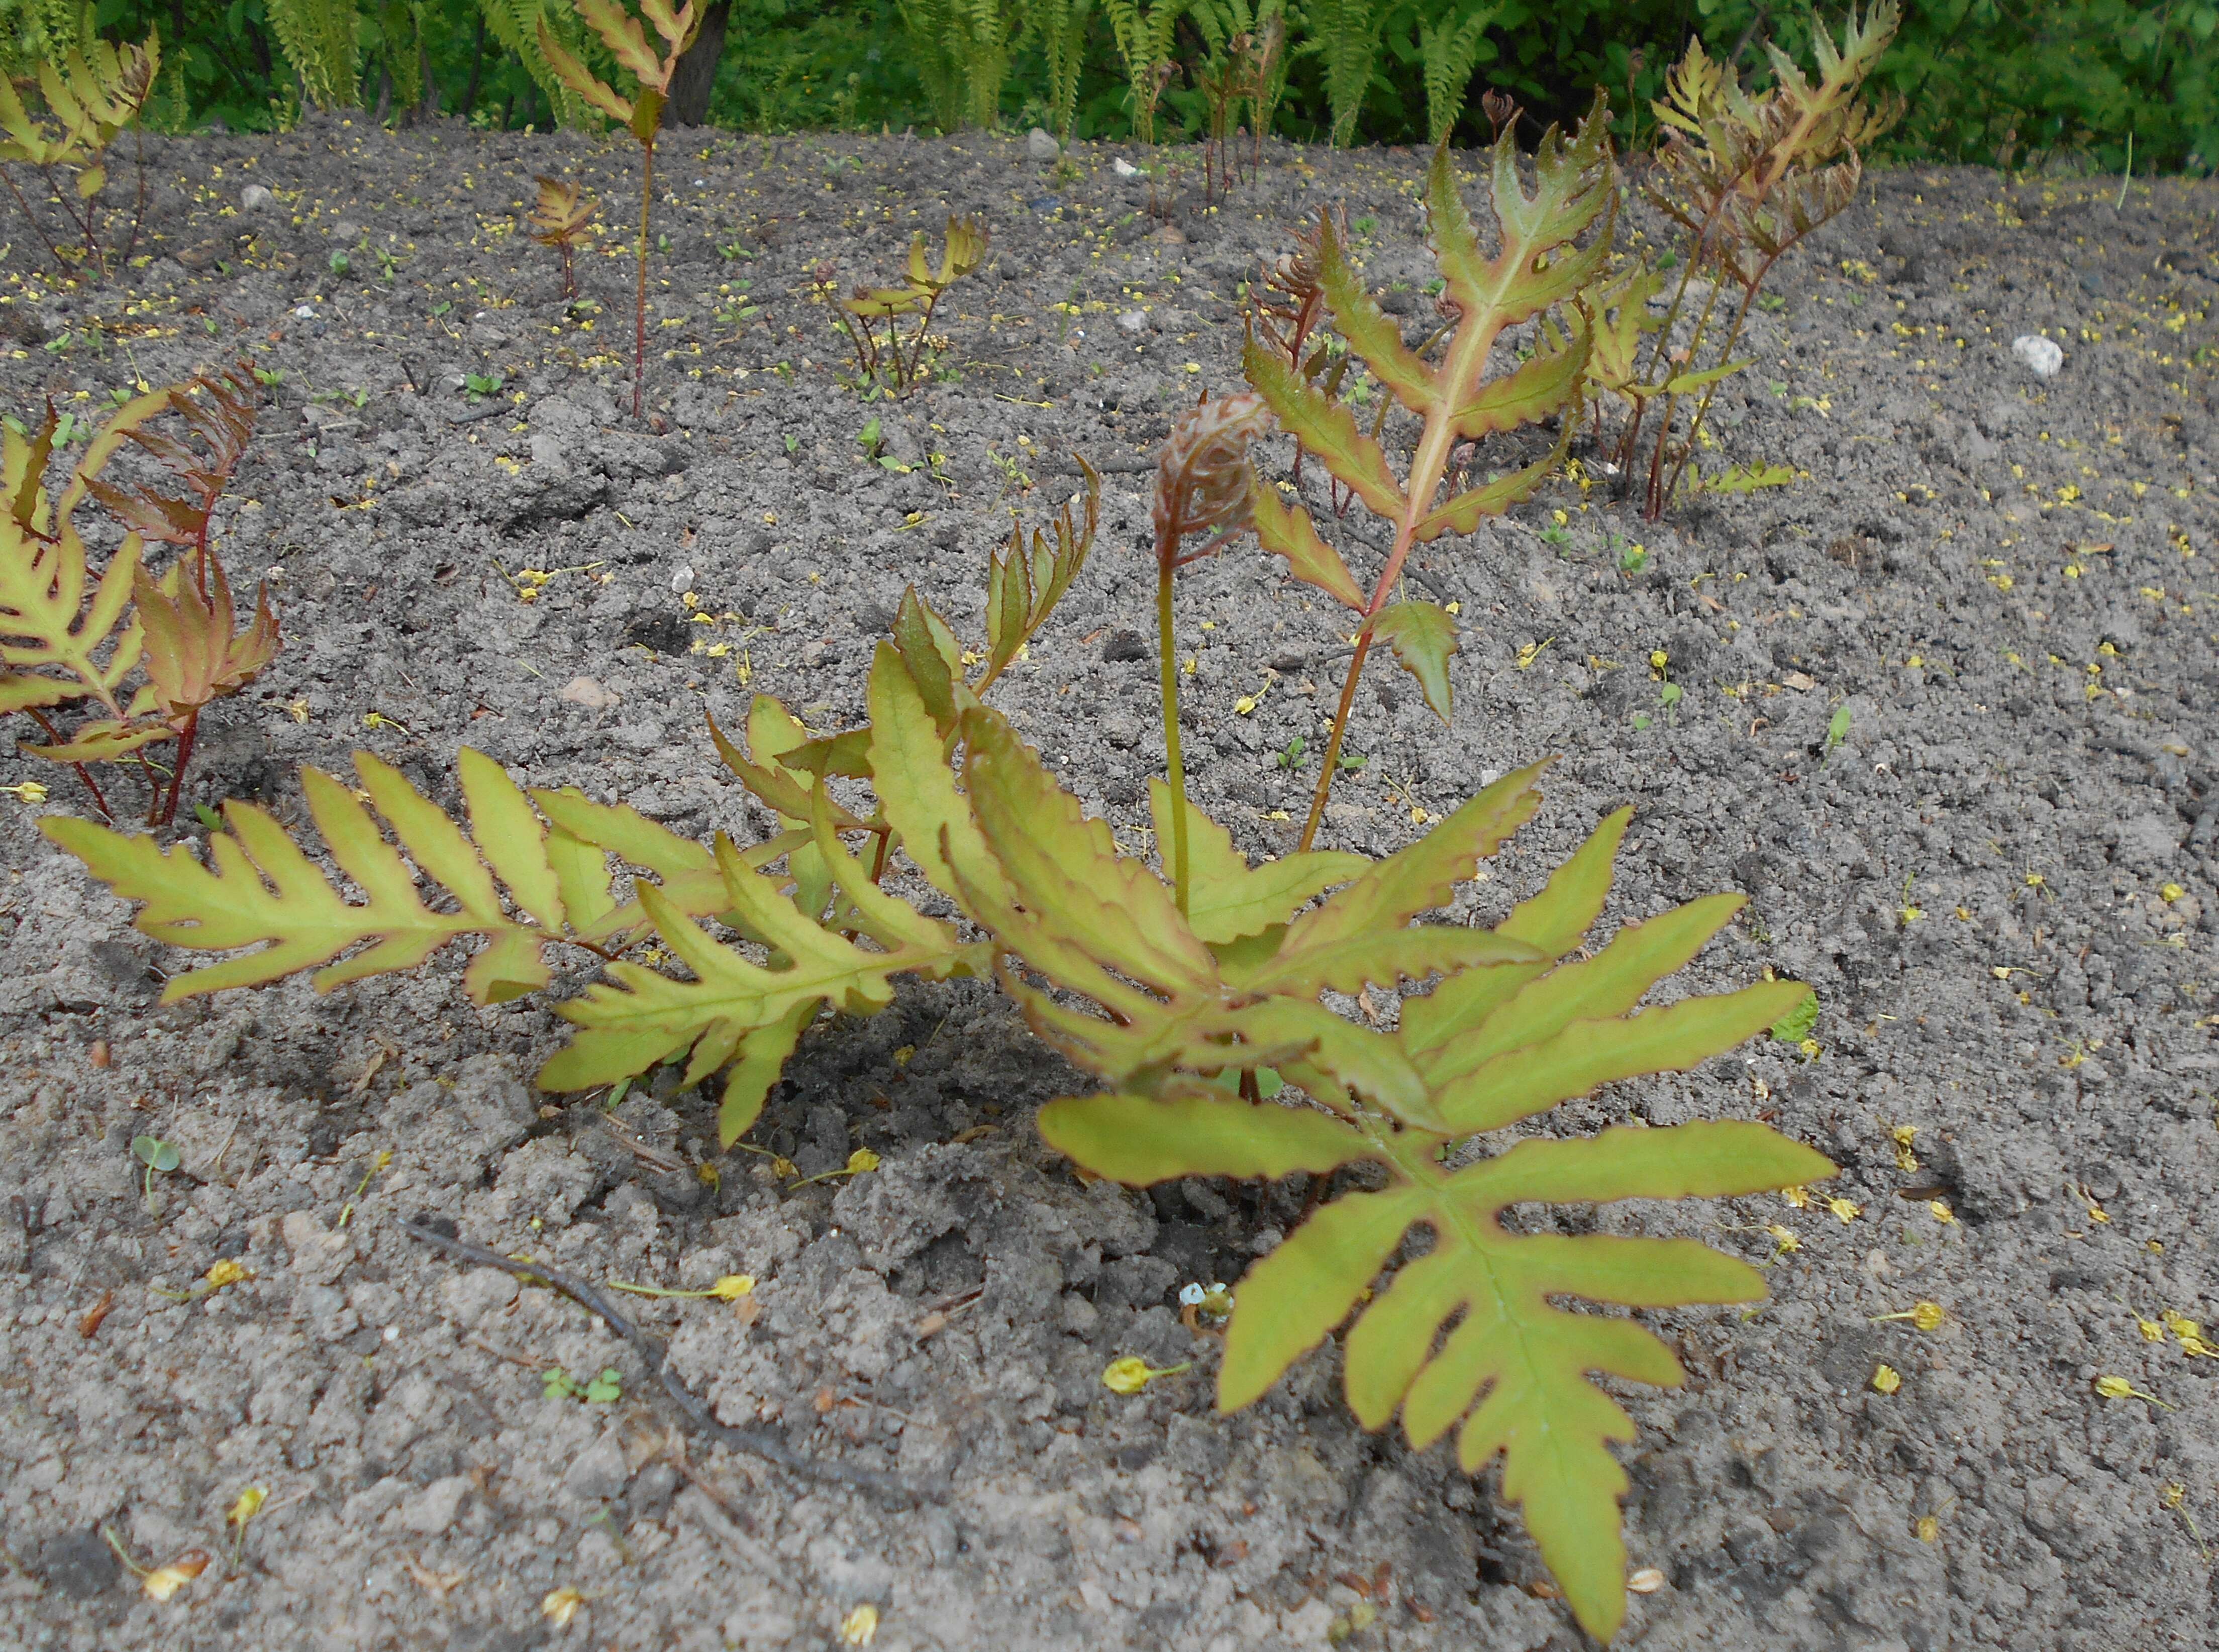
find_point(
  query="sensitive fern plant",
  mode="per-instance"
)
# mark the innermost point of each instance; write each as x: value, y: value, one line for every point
x: 1175, y: 997
x: 66, y: 641
x: 1745, y: 178
x: 894, y: 363
x: 1539, y: 266
x: 91, y: 95
x: 641, y: 115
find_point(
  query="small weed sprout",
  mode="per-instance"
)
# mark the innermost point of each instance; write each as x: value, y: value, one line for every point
x: 160, y: 1157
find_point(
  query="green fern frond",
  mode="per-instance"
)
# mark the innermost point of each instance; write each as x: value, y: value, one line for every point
x: 318, y: 37
x: 1344, y: 34
x: 515, y: 24
x: 1509, y: 1031
x: 1448, y: 51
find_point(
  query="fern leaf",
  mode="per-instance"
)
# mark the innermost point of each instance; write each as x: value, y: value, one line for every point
x: 1368, y: 331
x: 1466, y: 511
x: 1423, y: 636
x: 1228, y: 900
x: 261, y: 888
x: 1571, y: 188
x: 1502, y: 1039
x: 1552, y: 922
x: 639, y: 1016
x: 1326, y: 428
x: 1136, y: 1141
x: 1288, y: 532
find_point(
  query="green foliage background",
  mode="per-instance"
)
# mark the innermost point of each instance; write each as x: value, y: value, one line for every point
x: 1999, y: 82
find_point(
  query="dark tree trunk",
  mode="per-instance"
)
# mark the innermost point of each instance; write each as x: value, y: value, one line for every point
x: 696, y: 75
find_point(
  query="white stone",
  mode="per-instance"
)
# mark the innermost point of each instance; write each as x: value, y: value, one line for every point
x: 2041, y: 356
x: 1133, y: 321
x: 1124, y: 168
x: 255, y: 198
x: 584, y: 691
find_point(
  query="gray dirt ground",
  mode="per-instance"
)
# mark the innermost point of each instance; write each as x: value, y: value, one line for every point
x: 2001, y: 883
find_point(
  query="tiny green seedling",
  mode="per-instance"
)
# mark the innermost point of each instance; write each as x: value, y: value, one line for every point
x: 481, y: 384
x: 1837, y: 731
x: 605, y: 1389
x: 339, y: 264
x: 156, y: 1155
x: 1796, y: 1025
x: 268, y: 377
x: 793, y: 444
x: 1291, y: 757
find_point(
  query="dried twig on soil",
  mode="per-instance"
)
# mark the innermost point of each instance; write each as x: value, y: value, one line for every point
x: 756, y: 1441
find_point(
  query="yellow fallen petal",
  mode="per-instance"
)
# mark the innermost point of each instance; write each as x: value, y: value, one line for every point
x: 858, y: 1627
x: 733, y: 1286
x: 1887, y: 1379
x: 226, y: 1272
x: 559, y: 1606
x: 248, y: 1505
x: 166, y: 1580
x: 1845, y: 1210
x: 1647, y: 1580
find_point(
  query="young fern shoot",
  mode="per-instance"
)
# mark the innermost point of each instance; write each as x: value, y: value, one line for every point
x: 641, y: 113
x: 563, y: 220
x: 1541, y: 267
x: 1203, y: 485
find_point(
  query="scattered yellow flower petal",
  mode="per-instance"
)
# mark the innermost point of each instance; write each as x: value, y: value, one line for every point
x: 1927, y: 1529
x: 1784, y: 1237
x: 166, y: 1580
x: 1647, y: 1580
x: 559, y: 1606
x: 1928, y: 1316
x: 857, y: 1628
x: 2171, y: 892
x: 1132, y: 1374
x: 1887, y: 1379
x: 861, y: 1160
x: 2118, y: 1388
x: 246, y: 1505
x: 1658, y: 659
x: 2152, y: 1330
x: 1845, y: 1210
x: 1798, y: 1195
x: 226, y: 1272
x: 733, y: 1286
x: 1940, y: 1209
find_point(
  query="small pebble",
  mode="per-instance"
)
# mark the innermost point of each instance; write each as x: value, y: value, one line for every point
x: 2041, y: 355
x: 1041, y: 145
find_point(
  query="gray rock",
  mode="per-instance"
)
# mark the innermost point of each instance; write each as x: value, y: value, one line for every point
x: 255, y: 198
x: 1040, y: 145
x: 432, y: 1509
x: 598, y: 1474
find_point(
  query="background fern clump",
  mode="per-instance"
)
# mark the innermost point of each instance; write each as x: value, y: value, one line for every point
x: 1983, y: 82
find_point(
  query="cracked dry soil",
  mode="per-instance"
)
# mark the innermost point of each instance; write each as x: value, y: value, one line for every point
x: 2000, y: 882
